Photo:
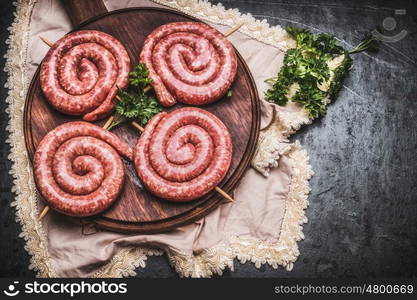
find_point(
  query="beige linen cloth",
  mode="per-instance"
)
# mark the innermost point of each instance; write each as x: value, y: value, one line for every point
x: 264, y: 223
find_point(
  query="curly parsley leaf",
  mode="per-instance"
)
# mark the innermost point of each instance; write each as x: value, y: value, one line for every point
x: 339, y: 75
x: 140, y: 107
x: 136, y: 105
x: 308, y: 76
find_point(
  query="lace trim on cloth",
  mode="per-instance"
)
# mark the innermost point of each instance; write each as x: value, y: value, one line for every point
x: 284, y: 253
x: 23, y: 185
x: 210, y: 261
x: 257, y: 29
x: 273, y: 142
x: 124, y: 263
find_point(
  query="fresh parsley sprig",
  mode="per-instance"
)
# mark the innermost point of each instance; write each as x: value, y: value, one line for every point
x: 139, y: 77
x: 136, y: 104
x: 139, y: 107
x: 313, y: 71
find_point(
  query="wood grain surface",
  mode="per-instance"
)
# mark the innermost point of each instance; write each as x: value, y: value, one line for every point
x: 79, y: 11
x: 137, y: 210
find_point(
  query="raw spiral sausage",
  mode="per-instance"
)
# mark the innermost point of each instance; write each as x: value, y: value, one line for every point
x: 184, y: 154
x: 189, y: 62
x: 81, y: 72
x: 78, y: 169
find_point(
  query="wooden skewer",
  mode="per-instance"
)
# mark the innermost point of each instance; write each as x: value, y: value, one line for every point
x: 224, y: 194
x: 147, y: 89
x: 226, y: 34
x: 231, y: 30
x: 43, y: 213
x: 108, y: 123
x: 46, y: 41
x: 140, y: 128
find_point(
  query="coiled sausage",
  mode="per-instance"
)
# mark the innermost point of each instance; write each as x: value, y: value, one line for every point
x: 78, y: 169
x: 184, y: 154
x: 189, y: 62
x: 81, y: 72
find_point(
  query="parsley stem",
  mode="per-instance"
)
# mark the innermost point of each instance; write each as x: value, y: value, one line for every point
x: 368, y: 43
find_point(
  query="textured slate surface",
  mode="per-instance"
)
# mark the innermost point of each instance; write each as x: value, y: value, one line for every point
x: 363, y: 204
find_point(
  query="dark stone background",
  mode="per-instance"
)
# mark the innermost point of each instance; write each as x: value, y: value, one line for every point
x: 363, y: 210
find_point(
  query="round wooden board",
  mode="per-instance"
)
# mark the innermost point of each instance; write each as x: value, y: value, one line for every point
x: 136, y: 210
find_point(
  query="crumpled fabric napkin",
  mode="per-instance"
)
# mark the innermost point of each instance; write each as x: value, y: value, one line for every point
x: 264, y: 223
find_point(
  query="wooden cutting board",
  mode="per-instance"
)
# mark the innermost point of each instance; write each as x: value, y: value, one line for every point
x: 136, y: 210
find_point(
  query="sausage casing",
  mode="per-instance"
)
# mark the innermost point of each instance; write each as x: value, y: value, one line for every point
x: 184, y: 154
x: 78, y: 169
x: 189, y: 62
x: 81, y: 72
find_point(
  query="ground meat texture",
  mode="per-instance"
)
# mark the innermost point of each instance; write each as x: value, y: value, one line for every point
x: 78, y: 169
x: 184, y: 154
x: 189, y: 62
x: 81, y: 72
